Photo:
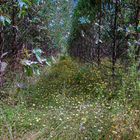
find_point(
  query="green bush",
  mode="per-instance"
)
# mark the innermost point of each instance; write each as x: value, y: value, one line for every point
x: 72, y: 79
x: 69, y: 79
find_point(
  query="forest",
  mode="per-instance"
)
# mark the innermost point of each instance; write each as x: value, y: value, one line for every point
x: 69, y: 69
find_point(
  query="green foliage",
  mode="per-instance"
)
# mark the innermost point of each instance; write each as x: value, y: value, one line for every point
x: 5, y: 20
x: 27, y: 25
x: 21, y: 6
x: 68, y: 100
x: 72, y: 118
x: 75, y: 101
x: 71, y: 79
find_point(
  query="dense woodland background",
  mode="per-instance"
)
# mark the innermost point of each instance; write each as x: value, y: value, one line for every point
x: 69, y: 69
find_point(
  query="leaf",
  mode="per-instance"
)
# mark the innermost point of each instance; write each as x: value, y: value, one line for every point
x: 37, y: 1
x: 27, y: 62
x: 28, y: 70
x: 48, y: 63
x: 53, y: 59
x: 36, y: 70
x: 39, y: 59
x: 84, y: 20
x: 22, y: 13
x: 27, y: 2
x: 22, y: 4
x: 38, y: 52
x: 5, y: 20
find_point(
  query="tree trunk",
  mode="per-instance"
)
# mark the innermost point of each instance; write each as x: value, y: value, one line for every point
x: 14, y: 10
x: 114, y: 47
x: 99, y: 33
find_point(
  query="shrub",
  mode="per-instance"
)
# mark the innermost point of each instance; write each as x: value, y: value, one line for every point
x: 72, y: 79
x: 69, y: 79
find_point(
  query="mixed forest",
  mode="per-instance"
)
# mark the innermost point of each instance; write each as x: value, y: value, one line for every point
x: 69, y: 70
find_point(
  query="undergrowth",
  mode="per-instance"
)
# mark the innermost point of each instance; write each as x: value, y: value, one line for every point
x: 73, y: 101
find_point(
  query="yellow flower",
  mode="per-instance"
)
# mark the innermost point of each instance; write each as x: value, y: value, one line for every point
x: 84, y: 119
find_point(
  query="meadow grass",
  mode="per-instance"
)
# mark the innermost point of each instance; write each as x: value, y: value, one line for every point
x: 72, y: 101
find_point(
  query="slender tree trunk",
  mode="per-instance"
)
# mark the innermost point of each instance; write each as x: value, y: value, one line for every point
x: 99, y: 33
x: 1, y: 40
x: 137, y: 17
x: 14, y: 48
x: 114, y: 47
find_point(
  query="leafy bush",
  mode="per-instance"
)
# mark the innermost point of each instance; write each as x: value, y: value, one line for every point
x: 69, y: 79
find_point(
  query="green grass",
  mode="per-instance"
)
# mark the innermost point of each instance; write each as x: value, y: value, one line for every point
x: 72, y: 119
x: 73, y: 101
